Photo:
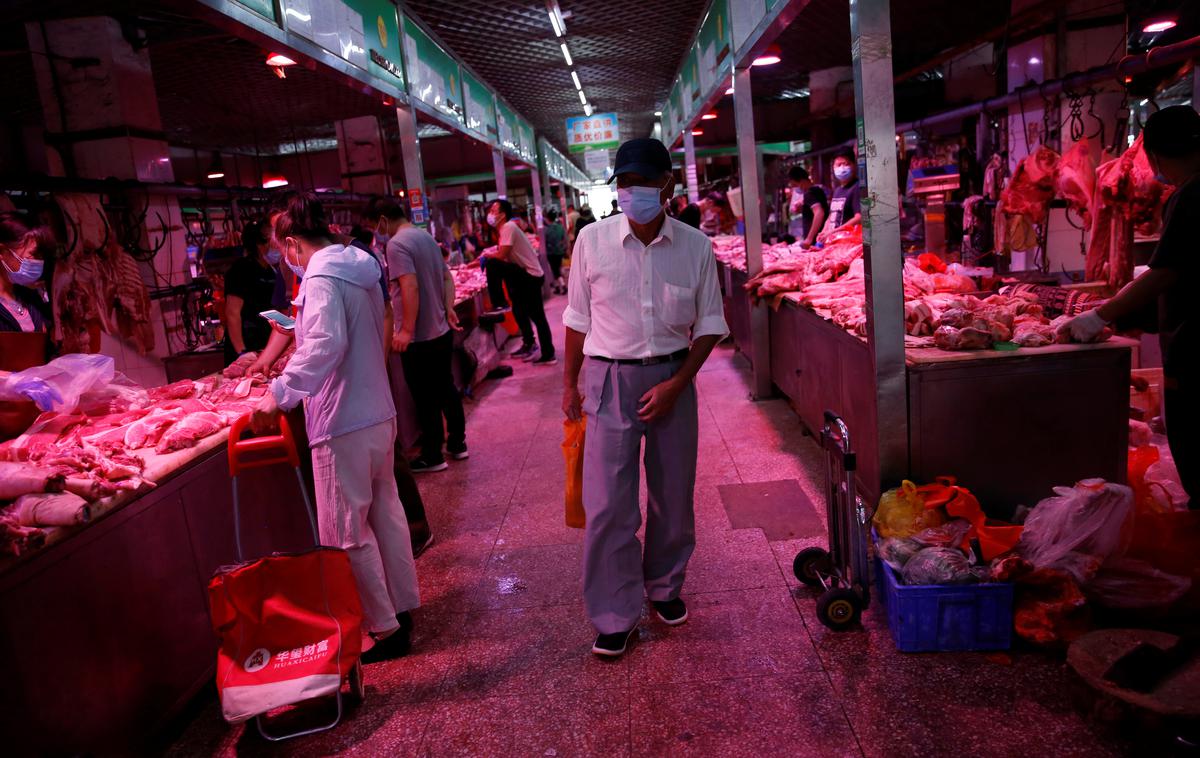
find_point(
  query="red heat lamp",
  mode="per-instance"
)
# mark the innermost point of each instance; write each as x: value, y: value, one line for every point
x: 697, y: 132
x: 710, y: 116
x: 730, y: 90
x: 1159, y: 26
x: 279, y: 63
x: 271, y: 181
x: 769, y: 57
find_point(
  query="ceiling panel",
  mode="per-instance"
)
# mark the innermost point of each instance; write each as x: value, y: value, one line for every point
x: 626, y: 54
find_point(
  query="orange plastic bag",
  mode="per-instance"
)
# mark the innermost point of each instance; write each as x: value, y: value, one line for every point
x: 572, y: 446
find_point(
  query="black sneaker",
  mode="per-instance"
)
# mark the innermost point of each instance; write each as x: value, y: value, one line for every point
x: 612, y: 645
x: 458, y: 452
x: 545, y: 360
x: 523, y: 351
x: 421, y: 542
x: 395, y: 645
x: 423, y: 466
x: 670, y: 612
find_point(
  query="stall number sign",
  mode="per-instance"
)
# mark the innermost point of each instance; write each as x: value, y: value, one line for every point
x: 417, y: 204
x: 596, y: 132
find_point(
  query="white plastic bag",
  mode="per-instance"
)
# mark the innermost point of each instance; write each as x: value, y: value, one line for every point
x: 58, y: 385
x: 1078, y: 529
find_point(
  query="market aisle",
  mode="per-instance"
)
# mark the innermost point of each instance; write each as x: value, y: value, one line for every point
x: 501, y: 664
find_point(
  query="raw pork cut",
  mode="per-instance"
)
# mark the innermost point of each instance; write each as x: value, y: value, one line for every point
x: 18, y: 479
x: 189, y: 430
x: 147, y: 431
x: 1032, y: 186
x: 62, y: 509
x: 176, y: 391
x: 968, y: 338
x: 1075, y: 180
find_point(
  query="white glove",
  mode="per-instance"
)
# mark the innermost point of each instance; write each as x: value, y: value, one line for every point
x: 1086, y: 327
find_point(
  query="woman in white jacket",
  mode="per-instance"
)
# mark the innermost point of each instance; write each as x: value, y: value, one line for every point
x: 338, y: 372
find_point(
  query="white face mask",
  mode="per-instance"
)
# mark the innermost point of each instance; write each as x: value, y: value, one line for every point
x: 493, y: 219
x: 641, y: 204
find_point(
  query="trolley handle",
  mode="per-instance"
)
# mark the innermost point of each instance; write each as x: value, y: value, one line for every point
x: 839, y: 442
x: 269, y: 450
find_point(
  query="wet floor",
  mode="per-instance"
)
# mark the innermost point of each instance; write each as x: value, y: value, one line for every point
x: 501, y: 663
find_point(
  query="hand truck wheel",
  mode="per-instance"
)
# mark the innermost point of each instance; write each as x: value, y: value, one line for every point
x: 839, y: 608
x: 358, y: 686
x: 810, y: 564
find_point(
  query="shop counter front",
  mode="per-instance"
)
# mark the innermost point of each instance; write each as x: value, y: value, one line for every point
x: 105, y: 631
x: 1008, y: 425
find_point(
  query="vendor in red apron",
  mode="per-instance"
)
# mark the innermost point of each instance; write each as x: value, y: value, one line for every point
x: 1172, y: 142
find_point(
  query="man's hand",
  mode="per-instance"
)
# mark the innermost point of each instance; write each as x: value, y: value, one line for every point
x: 401, y: 340
x: 452, y: 319
x: 572, y: 403
x: 280, y: 330
x: 659, y: 401
x: 264, y: 419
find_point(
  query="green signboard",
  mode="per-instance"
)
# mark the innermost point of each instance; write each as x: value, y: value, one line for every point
x: 479, y: 108
x: 506, y: 127
x: 264, y: 8
x: 381, y: 34
x: 433, y: 75
x: 527, y: 148
x: 714, y: 56
x: 691, y: 79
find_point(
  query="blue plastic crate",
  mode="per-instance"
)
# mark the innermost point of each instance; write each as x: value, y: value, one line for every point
x: 934, y: 617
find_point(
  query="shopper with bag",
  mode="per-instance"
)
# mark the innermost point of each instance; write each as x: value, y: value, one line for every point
x: 338, y: 372
x: 644, y: 307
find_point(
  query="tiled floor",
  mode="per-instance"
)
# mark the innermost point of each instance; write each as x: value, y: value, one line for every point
x: 501, y: 664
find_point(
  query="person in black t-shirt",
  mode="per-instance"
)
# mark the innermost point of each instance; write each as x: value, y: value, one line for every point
x: 807, y: 208
x: 1172, y: 142
x: 252, y: 285
x: 845, y: 207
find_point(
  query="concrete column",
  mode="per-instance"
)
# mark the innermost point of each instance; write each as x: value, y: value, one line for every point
x: 539, y: 221
x: 748, y: 166
x: 871, y: 43
x: 414, y: 172
x: 501, y: 174
x: 102, y: 120
x: 689, y: 166
x: 363, y: 154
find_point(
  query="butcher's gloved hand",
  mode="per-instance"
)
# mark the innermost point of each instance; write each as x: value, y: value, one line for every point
x: 1087, y: 326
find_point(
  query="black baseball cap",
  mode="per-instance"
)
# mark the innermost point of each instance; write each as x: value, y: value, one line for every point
x: 646, y: 156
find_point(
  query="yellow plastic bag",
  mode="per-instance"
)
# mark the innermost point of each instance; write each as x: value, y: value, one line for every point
x: 902, y: 512
x: 572, y: 446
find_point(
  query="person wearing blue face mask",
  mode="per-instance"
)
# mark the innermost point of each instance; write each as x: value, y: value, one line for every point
x: 845, y: 207
x: 643, y: 313
x: 23, y: 306
x: 253, y: 284
x: 1172, y: 143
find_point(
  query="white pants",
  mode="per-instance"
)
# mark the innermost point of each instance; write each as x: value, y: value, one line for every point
x: 359, y: 510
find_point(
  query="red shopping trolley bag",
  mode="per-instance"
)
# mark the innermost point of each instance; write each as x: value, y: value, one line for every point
x: 290, y: 630
x: 289, y: 625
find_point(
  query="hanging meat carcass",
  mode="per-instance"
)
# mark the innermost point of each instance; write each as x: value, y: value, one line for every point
x: 1031, y: 189
x: 1127, y: 195
x: 1075, y: 180
x: 98, y: 286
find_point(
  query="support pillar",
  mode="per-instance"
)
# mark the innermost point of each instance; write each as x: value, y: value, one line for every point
x: 501, y: 174
x: 363, y: 154
x: 414, y: 172
x: 539, y: 223
x: 871, y: 47
x: 752, y: 192
x: 689, y: 165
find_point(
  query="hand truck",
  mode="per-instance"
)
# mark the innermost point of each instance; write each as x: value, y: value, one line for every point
x: 842, y: 571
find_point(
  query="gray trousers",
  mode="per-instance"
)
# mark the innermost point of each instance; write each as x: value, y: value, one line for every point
x: 615, y: 570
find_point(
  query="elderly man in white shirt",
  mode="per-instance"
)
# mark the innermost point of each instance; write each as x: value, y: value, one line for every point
x: 644, y: 309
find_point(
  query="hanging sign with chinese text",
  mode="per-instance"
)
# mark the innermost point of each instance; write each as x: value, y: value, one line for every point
x: 596, y: 132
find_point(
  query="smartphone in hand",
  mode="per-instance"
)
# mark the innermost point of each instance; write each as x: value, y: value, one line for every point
x: 283, y: 320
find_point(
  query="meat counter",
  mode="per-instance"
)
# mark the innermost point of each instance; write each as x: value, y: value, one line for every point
x: 1008, y: 425
x: 105, y: 631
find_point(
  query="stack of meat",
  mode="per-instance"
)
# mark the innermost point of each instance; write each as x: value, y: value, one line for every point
x: 98, y: 285
x: 804, y: 268
x: 1127, y: 198
x: 468, y: 281
x: 731, y: 250
x: 54, y: 474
